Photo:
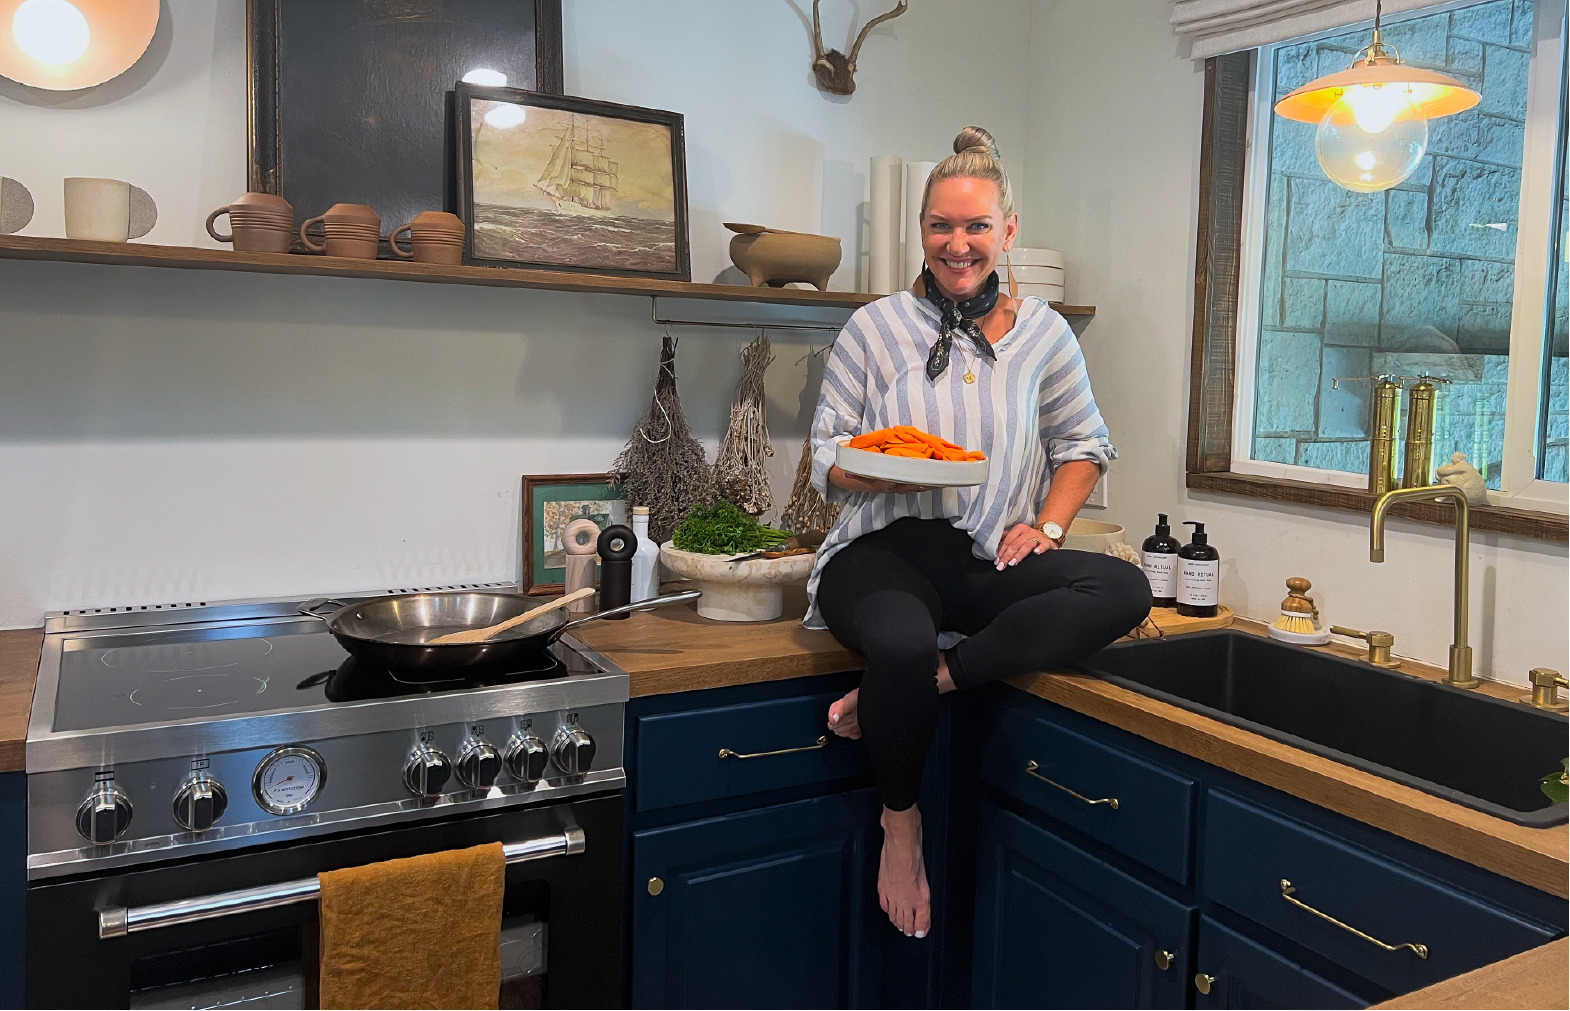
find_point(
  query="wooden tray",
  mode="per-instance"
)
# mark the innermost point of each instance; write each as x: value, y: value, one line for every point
x: 1171, y: 623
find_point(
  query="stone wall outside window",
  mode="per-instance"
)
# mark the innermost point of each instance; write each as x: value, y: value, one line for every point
x: 1417, y: 278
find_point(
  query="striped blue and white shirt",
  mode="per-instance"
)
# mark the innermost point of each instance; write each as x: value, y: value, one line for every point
x: 1029, y: 412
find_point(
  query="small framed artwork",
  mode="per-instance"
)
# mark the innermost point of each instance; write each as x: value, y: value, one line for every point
x: 550, y: 502
x: 557, y: 183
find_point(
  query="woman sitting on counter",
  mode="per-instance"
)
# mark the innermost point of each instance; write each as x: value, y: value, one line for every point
x: 903, y: 564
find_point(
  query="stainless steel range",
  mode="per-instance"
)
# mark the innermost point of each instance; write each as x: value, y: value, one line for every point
x: 161, y: 731
x: 192, y: 767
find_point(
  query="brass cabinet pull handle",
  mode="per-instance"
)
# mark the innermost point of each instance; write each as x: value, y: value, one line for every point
x: 1164, y: 960
x: 1203, y: 982
x: 820, y: 743
x: 1030, y: 769
x: 1287, y: 890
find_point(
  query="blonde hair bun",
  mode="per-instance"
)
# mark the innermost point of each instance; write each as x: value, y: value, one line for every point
x: 975, y: 157
x: 975, y: 138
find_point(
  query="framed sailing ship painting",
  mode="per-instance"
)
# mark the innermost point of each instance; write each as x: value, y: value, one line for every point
x: 559, y: 183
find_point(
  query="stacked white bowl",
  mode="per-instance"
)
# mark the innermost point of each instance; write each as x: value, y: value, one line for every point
x: 1036, y: 272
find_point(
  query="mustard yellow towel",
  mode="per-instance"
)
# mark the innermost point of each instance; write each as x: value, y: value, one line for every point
x: 421, y: 932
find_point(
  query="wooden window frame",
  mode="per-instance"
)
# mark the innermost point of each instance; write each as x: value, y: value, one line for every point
x: 1223, y: 168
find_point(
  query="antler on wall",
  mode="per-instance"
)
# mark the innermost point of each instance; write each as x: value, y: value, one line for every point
x: 835, y: 71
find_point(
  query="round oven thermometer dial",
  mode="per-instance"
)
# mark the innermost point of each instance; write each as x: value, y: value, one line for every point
x: 288, y: 780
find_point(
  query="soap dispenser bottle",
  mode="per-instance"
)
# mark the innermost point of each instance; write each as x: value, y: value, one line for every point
x: 1199, y: 575
x: 1159, y: 557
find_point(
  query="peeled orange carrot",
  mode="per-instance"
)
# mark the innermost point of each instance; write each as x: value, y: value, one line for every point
x: 912, y: 442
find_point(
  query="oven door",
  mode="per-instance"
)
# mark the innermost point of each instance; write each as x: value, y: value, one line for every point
x: 560, y: 918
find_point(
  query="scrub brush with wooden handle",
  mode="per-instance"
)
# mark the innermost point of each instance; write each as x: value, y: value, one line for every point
x: 1298, y: 613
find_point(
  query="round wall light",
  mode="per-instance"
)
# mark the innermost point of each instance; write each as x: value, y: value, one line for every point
x: 66, y: 45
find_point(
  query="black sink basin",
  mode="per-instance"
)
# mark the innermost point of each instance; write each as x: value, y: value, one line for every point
x: 1482, y: 752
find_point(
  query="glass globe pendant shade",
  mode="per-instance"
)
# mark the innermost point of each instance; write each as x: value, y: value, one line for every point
x: 1371, y: 139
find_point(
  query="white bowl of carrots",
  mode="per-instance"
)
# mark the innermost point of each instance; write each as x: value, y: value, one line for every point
x: 907, y: 455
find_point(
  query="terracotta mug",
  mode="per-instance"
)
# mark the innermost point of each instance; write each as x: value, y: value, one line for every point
x: 260, y: 223
x: 353, y: 231
x: 434, y: 237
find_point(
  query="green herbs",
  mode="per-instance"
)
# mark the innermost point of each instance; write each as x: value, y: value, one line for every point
x: 723, y: 529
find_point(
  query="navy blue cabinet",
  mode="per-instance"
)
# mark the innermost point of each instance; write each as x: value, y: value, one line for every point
x: 760, y: 909
x: 1058, y: 928
x: 1235, y: 972
x: 13, y: 884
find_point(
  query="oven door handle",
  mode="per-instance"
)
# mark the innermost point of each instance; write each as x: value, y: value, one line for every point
x: 117, y: 921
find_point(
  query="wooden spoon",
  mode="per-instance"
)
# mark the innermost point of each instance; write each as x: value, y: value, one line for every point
x: 482, y: 634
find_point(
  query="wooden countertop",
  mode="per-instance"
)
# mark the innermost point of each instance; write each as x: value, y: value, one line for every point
x: 673, y: 650
x: 1532, y: 979
x: 19, y: 650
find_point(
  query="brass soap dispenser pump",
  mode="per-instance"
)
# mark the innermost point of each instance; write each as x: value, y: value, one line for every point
x: 1382, y: 430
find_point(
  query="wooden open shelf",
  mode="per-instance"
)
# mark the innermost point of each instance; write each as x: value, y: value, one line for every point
x: 135, y: 254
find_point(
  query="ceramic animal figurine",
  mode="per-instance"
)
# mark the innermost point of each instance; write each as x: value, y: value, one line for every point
x: 769, y: 256
x: 1463, y: 475
x: 835, y: 71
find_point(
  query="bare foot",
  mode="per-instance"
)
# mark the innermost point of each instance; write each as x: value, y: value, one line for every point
x: 902, y: 873
x: 842, y: 716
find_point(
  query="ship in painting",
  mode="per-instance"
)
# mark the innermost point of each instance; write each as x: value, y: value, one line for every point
x: 579, y: 178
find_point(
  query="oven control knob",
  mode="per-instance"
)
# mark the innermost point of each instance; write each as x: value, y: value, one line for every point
x: 199, y: 802
x: 526, y: 758
x: 478, y: 765
x: 572, y: 749
x: 104, y: 814
x: 426, y: 772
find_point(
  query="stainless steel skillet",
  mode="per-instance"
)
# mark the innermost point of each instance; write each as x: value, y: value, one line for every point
x: 395, y: 631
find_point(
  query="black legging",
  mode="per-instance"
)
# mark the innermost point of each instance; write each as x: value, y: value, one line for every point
x: 886, y: 596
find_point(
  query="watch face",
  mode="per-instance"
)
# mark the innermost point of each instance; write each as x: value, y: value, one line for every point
x: 288, y: 780
x: 1052, y: 530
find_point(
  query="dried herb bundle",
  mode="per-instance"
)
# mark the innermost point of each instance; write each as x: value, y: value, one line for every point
x: 806, y: 510
x: 662, y: 465
x: 741, y: 467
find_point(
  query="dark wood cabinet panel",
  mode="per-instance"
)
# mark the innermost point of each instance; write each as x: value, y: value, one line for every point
x: 1058, y: 928
x: 766, y: 908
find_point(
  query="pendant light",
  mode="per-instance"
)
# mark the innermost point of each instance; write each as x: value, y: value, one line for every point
x: 66, y: 45
x: 1373, y: 116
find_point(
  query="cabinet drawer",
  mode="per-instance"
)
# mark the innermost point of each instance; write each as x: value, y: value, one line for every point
x: 1253, y: 857
x: 1151, y: 820
x: 765, y: 746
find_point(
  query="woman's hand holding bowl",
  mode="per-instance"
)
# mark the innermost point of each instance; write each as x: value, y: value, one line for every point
x: 854, y: 482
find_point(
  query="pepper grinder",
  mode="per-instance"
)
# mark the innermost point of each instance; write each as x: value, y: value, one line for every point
x: 1382, y: 429
x: 579, y: 539
x: 1419, y: 454
x: 617, y: 545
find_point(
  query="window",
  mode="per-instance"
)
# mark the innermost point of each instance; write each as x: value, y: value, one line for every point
x: 1458, y: 272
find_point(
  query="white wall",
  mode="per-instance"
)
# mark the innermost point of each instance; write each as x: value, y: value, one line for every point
x: 1113, y: 179
x: 169, y: 436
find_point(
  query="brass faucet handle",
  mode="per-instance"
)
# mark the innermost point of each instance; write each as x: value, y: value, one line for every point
x: 1379, y: 645
x: 1545, y: 690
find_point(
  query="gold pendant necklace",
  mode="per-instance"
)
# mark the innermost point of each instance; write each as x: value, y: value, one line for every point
x: 970, y: 374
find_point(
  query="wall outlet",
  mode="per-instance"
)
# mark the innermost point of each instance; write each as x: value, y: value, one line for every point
x: 1098, y: 494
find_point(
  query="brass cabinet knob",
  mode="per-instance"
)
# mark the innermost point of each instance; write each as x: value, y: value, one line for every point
x: 1202, y: 982
x: 1164, y: 960
x: 656, y: 886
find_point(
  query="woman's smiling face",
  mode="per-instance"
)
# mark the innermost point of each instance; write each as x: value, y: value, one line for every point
x: 964, y: 232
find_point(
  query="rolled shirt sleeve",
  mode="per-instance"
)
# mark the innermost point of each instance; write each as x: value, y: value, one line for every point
x: 841, y: 402
x: 1071, y: 424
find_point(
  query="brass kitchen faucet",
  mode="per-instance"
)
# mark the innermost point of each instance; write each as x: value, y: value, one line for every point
x: 1460, y: 671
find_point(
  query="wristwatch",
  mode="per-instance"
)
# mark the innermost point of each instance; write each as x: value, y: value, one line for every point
x: 1054, y: 532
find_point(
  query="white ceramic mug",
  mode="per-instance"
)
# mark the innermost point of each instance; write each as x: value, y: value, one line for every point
x: 107, y: 210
